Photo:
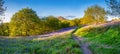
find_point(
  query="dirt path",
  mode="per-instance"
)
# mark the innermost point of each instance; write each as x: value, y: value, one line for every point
x: 46, y: 36
x: 84, y: 46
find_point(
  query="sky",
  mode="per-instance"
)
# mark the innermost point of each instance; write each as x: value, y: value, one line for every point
x: 65, y: 8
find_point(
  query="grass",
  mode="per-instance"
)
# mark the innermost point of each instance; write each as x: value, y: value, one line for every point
x: 60, y: 45
x: 103, y: 40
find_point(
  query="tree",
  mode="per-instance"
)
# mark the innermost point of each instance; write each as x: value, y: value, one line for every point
x: 94, y: 14
x: 76, y: 21
x: 4, y: 29
x: 24, y: 23
x: 1, y: 7
x: 114, y: 7
x: 52, y: 22
x: 2, y: 15
x: 87, y: 20
x: 64, y: 24
x: 71, y: 23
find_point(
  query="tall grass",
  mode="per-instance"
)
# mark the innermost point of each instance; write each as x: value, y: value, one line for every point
x: 103, y: 40
x: 60, y: 45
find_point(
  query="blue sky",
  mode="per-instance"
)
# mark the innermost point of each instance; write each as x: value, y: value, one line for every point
x: 51, y: 7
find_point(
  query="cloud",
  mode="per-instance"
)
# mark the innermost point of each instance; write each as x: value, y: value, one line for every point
x: 70, y: 17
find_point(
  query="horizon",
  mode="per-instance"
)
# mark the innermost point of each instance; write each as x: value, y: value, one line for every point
x: 69, y: 9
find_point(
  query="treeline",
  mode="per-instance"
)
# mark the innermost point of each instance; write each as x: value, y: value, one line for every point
x: 25, y: 22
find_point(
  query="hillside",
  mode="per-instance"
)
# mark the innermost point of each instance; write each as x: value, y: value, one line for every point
x: 102, y: 38
x: 98, y: 28
x: 61, y: 18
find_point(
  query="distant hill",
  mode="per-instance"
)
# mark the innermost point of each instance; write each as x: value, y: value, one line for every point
x: 61, y: 18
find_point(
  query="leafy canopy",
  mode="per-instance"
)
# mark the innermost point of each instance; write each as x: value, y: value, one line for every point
x: 113, y: 7
x: 94, y: 14
x: 25, y: 22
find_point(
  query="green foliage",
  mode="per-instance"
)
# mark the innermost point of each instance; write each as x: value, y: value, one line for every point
x: 4, y: 29
x: 77, y: 22
x: 72, y: 23
x: 52, y: 22
x: 3, y: 26
x: 64, y: 24
x: 97, y: 49
x: 25, y: 22
x: 87, y: 20
x: 94, y: 14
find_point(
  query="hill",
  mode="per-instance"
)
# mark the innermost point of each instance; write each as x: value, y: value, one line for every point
x: 98, y: 28
x: 103, y: 38
x: 61, y: 18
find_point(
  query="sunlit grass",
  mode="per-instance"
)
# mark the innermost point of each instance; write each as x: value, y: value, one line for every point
x: 102, y: 39
x: 59, y: 45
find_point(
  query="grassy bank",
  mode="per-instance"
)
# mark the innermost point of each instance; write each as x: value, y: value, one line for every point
x: 103, y: 39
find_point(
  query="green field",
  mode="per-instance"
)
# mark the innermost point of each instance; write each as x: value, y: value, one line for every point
x: 102, y: 39
x: 59, y: 45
